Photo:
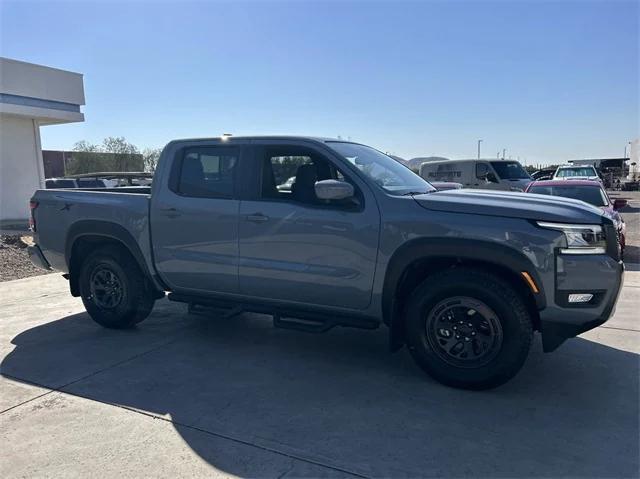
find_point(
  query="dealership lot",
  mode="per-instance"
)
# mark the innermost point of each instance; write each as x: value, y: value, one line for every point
x: 187, y: 395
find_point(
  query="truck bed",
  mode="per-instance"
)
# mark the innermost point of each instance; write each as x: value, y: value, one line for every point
x: 61, y: 214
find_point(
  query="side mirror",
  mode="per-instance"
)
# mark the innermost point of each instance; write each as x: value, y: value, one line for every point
x: 619, y: 203
x: 333, y: 190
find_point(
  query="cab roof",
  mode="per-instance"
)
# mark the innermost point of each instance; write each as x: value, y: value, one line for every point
x: 230, y: 138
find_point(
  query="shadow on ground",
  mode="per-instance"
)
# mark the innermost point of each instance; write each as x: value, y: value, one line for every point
x: 341, y: 399
x: 629, y: 209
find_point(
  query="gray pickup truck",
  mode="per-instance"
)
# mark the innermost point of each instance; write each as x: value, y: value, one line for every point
x: 462, y: 278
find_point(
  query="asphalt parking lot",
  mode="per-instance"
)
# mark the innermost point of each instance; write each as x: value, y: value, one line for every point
x: 186, y: 395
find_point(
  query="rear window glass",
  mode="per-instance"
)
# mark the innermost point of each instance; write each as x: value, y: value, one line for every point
x: 584, y: 171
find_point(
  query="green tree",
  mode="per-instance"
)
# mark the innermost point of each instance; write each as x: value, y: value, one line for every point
x: 85, y: 146
x: 126, y: 154
x: 85, y: 158
x: 115, y: 154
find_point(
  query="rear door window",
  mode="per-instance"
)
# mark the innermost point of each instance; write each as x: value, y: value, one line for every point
x: 208, y: 172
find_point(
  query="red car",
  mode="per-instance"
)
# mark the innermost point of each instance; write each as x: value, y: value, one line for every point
x: 586, y: 190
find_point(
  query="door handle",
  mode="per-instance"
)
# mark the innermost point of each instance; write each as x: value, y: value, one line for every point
x: 257, y: 218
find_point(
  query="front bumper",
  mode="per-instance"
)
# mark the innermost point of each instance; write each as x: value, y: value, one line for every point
x: 37, y: 258
x: 600, y: 275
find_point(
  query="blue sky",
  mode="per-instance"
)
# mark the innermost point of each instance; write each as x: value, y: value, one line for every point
x: 548, y: 81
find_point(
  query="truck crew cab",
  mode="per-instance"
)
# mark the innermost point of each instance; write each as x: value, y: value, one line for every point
x: 462, y: 278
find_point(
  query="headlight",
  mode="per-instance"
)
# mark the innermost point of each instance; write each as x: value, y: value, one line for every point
x: 581, y: 239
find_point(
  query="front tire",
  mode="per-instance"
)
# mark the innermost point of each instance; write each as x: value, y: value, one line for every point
x: 468, y: 329
x: 114, y: 290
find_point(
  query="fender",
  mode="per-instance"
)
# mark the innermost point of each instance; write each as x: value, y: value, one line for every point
x: 453, y: 248
x: 115, y: 232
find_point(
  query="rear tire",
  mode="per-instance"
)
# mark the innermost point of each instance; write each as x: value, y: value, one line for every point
x: 468, y: 329
x: 113, y: 289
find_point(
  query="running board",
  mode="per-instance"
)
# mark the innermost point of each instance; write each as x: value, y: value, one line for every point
x: 283, y: 317
x: 300, y: 324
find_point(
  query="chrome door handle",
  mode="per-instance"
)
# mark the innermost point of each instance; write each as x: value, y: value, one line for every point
x: 257, y: 218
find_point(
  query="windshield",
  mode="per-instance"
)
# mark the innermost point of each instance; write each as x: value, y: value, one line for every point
x: 577, y: 171
x: 510, y: 170
x: 590, y: 194
x: 383, y: 170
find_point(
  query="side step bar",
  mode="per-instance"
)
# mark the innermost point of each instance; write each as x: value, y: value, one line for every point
x: 286, y: 318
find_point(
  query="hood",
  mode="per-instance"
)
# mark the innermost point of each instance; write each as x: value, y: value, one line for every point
x: 512, y: 205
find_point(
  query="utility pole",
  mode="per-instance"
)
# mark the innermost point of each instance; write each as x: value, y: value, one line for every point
x: 480, y: 141
x: 504, y: 152
x: 625, y: 149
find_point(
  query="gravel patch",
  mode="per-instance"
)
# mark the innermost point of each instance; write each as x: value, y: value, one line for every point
x: 14, y: 260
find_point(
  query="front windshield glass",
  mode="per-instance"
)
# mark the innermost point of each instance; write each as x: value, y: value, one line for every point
x: 577, y: 171
x: 590, y: 194
x: 510, y: 170
x: 383, y: 170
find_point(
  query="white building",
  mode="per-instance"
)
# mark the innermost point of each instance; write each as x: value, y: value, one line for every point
x: 30, y: 96
x: 634, y: 160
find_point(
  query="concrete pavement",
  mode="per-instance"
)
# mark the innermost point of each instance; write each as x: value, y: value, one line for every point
x: 192, y: 396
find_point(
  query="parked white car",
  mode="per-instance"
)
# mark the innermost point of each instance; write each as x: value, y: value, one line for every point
x: 577, y: 172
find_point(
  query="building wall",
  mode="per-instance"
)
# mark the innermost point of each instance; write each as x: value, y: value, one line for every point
x: 21, y: 170
x: 634, y: 157
x: 40, y: 82
x: 30, y: 96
